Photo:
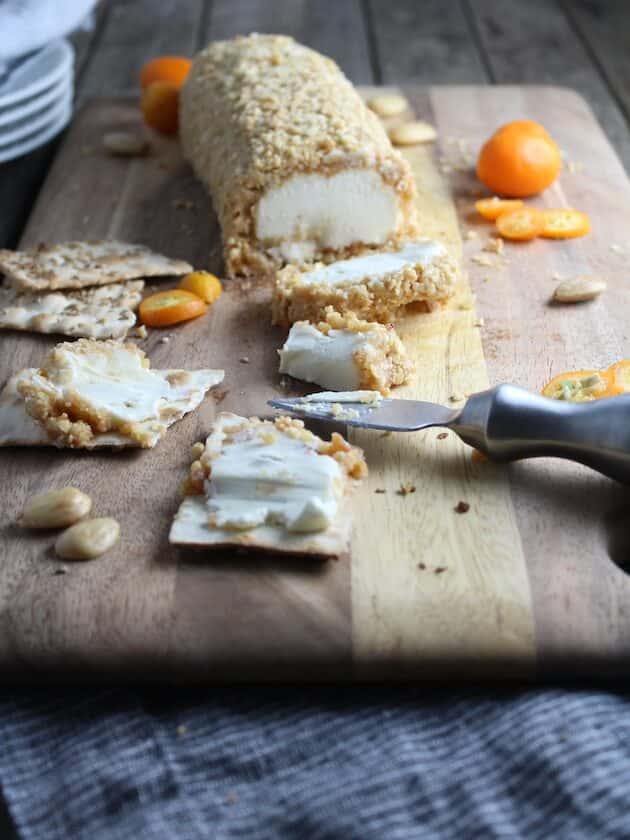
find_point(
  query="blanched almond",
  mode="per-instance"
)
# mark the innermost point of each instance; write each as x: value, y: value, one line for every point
x: 388, y: 104
x: 578, y: 289
x: 412, y: 133
x: 56, y: 509
x: 89, y: 539
x: 125, y: 144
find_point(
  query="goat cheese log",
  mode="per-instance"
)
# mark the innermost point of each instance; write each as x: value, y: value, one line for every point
x: 299, y: 169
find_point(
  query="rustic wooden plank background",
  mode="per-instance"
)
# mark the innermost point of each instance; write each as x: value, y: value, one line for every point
x: 584, y: 44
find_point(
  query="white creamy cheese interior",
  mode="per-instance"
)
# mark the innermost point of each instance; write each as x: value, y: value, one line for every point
x: 284, y: 482
x: 115, y: 382
x: 327, y: 359
x: 343, y: 397
x: 309, y: 212
x: 375, y: 266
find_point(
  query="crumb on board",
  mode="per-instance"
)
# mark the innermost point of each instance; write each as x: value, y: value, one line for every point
x: 439, y: 569
x: 406, y: 488
x: 422, y: 566
x: 462, y: 507
x: 380, y: 490
x: 483, y: 259
x: 442, y: 435
x: 494, y: 245
x: 385, y: 434
x: 61, y: 570
x: 479, y: 322
x: 471, y: 234
x: 165, y: 339
x: 457, y: 397
x: 244, y: 360
x: 183, y: 204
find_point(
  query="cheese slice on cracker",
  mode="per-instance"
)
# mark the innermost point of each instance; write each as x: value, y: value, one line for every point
x: 90, y: 394
x: 270, y: 486
x: 97, y: 312
x: 75, y: 265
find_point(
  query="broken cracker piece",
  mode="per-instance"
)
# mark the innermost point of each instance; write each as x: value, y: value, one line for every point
x: 90, y: 394
x: 75, y: 265
x: 98, y: 312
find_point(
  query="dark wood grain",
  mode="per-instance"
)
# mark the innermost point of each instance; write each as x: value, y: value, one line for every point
x: 133, y: 32
x: 535, y: 43
x: 428, y: 43
x: 336, y: 29
x: 604, y: 26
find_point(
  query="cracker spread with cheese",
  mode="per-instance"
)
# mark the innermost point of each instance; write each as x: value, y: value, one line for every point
x: 273, y: 486
x: 88, y: 394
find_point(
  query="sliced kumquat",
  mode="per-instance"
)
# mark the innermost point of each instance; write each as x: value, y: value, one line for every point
x: 520, y: 225
x: 203, y: 284
x: 492, y: 208
x: 565, y: 223
x: 619, y: 377
x: 164, y: 309
x: 165, y: 68
x: 579, y: 386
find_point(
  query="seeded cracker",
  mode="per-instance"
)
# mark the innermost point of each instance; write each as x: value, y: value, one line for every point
x: 97, y: 312
x: 75, y: 265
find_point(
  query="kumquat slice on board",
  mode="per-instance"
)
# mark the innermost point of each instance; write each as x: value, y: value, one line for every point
x: 520, y: 225
x: 203, y: 284
x: 619, y: 376
x: 164, y: 309
x: 492, y: 208
x: 565, y: 223
x: 579, y: 386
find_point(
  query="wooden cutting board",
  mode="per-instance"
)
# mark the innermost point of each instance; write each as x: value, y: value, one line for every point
x: 522, y: 585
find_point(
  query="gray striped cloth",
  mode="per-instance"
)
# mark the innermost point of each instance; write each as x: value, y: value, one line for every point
x: 316, y: 762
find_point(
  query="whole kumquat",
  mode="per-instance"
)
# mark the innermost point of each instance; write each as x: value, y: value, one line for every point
x: 519, y: 160
x: 166, y: 68
x: 160, y: 107
x: 203, y: 284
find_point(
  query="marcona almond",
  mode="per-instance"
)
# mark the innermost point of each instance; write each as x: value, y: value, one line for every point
x: 578, y: 289
x: 89, y: 539
x: 412, y: 133
x: 56, y: 509
x: 388, y: 104
x: 125, y: 143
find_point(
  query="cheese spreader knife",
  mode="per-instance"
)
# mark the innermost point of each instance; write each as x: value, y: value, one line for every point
x: 506, y: 423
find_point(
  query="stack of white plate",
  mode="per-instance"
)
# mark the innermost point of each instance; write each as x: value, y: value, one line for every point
x: 35, y: 99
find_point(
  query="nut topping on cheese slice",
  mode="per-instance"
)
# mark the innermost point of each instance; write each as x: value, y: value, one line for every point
x: 344, y: 353
x: 298, y: 167
x: 375, y: 286
x: 98, y: 393
x: 97, y: 312
x: 269, y: 485
x: 75, y: 265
